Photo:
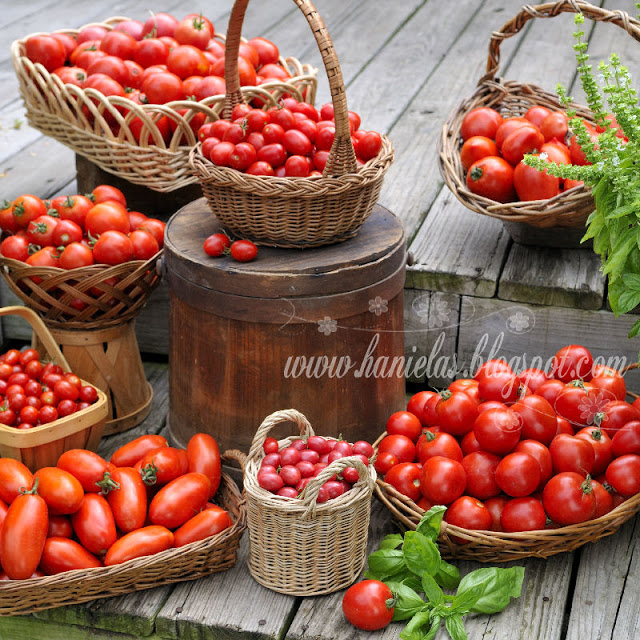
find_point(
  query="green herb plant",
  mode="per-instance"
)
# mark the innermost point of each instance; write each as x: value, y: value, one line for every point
x: 614, y: 172
x: 411, y: 566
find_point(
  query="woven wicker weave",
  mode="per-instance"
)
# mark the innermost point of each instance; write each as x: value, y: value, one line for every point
x: 195, y: 560
x: 113, y: 294
x: 299, y: 547
x: 295, y: 212
x: 569, y: 209
x: 493, y: 546
x: 81, y: 119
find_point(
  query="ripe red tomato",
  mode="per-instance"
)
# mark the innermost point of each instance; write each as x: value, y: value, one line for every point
x: 602, y: 447
x: 368, y: 605
x: 522, y: 140
x: 127, y: 498
x: 555, y: 125
x: 442, y: 480
x: 573, y: 362
x: 62, y: 554
x: 480, y: 469
x: 131, y: 452
x: 94, y: 524
x: 76, y: 255
x: 542, y: 454
x: 73, y: 208
x: 210, y: 521
x: 482, y: 121
x: 268, y: 52
x: 16, y: 247
x: 568, y: 499
x: 88, y: 467
x: 243, y: 250
x: 176, y: 502
x: 476, y: 148
x: 186, y: 60
x: 518, y: 474
x: 384, y: 461
x: 405, y: 423
x: 194, y: 30
x: 616, y: 414
x: 537, y: 114
x: 161, y: 466
x: 45, y: 50
x: 497, y: 430
x: 623, y: 474
x: 496, y: 506
x: 437, y: 444
x: 468, y: 513
x: 532, y: 378
x: 509, y: 126
x: 400, y: 446
x: 216, y: 244
x: 531, y: 184
x: 604, y: 499
x: 417, y: 404
x: 570, y: 453
x: 456, y: 412
x: 160, y: 24
x: 156, y: 228
x: 492, y: 177
x: 61, y: 491
x: 40, y: 231
x: 523, y: 514
x: 163, y: 87
x: 203, y: 455
x: 106, y: 216
x: 538, y: 418
x: 113, y: 247
x: 26, y: 208
x: 405, y: 478
x: 141, y: 542
x: 14, y: 475
x: 610, y: 380
x: 65, y: 232
x: 501, y: 386
x: 627, y: 439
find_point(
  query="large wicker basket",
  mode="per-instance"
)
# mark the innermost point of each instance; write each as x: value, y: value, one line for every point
x: 192, y: 561
x: 511, y: 98
x: 295, y: 212
x: 494, y: 546
x: 297, y: 546
x: 82, y: 119
x: 44, y: 444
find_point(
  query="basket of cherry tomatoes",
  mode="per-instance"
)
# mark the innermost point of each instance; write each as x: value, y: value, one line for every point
x: 83, y: 526
x: 528, y: 464
x: 483, y: 141
x: 130, y: 95
x: 307, y: 496
x: 80, y: 261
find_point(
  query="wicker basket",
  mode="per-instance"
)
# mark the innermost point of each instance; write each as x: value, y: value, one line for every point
x: 494, y: 546
x: 569, y: 209
x: 43, y: 445
x: 299, y: 547
x: 113, y: 294
x: 82, y: 120
x: 295, y: 212
x: 192, y: 561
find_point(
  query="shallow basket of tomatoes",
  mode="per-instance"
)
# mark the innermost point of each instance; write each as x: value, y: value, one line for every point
x: 568, y: 209
x: 146, y: 144
x: 93, y: 297
x: 299, y: 546
x: 42, y: 445
x: 189, y: 562
x: 295, y: 212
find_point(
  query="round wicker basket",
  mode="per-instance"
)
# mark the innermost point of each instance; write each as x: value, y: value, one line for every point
x: 568, y: 209
x: 295, y: 212
x: 98, y: 127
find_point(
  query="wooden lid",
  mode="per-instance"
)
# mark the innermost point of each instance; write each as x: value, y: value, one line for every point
x: 351, y: 268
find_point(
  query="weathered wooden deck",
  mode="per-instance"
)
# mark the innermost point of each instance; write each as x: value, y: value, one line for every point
x: 407, y: 64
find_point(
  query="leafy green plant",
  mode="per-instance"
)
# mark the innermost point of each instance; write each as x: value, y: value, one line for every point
x: 614, y: 172
x: 411, y: 566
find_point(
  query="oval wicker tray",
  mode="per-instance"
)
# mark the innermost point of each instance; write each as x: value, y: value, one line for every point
x: 510, y: 98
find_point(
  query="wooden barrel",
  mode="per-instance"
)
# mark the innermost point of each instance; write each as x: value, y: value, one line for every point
x: 318, y: 330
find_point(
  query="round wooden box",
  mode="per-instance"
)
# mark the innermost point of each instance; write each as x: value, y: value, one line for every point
x: 318, y: 330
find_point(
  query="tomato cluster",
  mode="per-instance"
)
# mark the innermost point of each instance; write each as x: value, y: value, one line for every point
x: 89, y: 512
x: 159, y: 61
x: 219, y: 244
x: 292, y: 139
x: 33, y: 392
x: 78, y: 230
x: 287, y: 471
x: 493, y: 148
x: 518, y: 452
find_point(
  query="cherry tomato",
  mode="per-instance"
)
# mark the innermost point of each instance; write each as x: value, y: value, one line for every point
x: 568, y: 499
x: 368, y: 605
x: 482, y: 121
x: 141, y: 542
x: 492, y: 177
x: 480, y: 469
x: 62, y: 554
x: 216, y: 244
x: 209, y: 522
x: 243, y: 250
x: 176, y: 502
x: 442, y: 480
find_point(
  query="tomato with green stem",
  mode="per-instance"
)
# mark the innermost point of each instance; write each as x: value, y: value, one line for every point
x: 368, y: 605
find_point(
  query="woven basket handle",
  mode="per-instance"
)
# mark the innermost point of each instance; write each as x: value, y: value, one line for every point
x: 342, y: 157
x: 550, y: 10
x: 235, y: 455
x: 41, y: 331
x: 309, y: 495
x: 271, y: 421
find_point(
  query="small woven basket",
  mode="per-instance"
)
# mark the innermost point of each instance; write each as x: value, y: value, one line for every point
x: 84, y: 119
x: 297, y: 546
x: 113, y: 295
x: 294, y: 212
x: 510, y: 98
x: 494, y: 546
x: 190, y: 562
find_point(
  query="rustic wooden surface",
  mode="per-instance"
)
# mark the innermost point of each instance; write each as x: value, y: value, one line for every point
x: 471, y: 289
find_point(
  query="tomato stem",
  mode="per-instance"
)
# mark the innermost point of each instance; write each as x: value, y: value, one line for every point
x: 30, y: 492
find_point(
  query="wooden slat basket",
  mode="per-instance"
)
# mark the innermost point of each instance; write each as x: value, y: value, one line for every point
x: 84, y: 119
x: 294, y: 212
x: 190, y: 562
x: 569, y: 209
x: 44, y: 444
x: 297, y: 546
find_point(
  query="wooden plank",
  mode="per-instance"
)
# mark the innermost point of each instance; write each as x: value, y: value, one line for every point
x: 606, y: 591
x: 554, y: 277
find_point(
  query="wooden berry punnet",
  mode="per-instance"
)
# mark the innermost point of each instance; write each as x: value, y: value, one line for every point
x: 43, y: 445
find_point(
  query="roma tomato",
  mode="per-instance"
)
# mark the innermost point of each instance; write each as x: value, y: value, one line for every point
x: 368, y: 605
x: 127, y: 498
x: 94, y: 524
x: 176, y: 502
x: 161, y: 466
x: 203, y: 455
x: 209, y: 522
x: 405, y: 478
x: 61, y: 491
x: 442, y: 480
x: 216, y: 244
x: 537, y: 114
x: 14, y: 475
x: 492, y: 177
x: 509, y: 126
x: 88, y: 467
x: 521, y: 141
x: 568, y: 498
x: 141, y: 542
x: 243, y: 250
x: 456, y: 412
x: 131, y: 452
x: 63, y: 554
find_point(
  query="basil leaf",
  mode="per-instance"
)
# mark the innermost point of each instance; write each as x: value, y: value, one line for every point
x: 408, y: 602
x: 416, y: 628
x: 465, y: 601
x: 391, y: 541
x: 497, y: 587
x: 455, y: 627
x: 635, y: 330
x: 447, y: 575
x: 386, y: 562
x: 432, y: 590
x: 413, y: 582
x: 430, y: 524
x: 420, y: 553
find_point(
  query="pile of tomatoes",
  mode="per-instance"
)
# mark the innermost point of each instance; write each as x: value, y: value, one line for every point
x: 33, y: 392
x: 493, y: 148
x: 518, y: 452
x: 287, y: 471
x: 161, y: 60
x: 74, y: 231
x: 89, y: 512
x: 292, y: 139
